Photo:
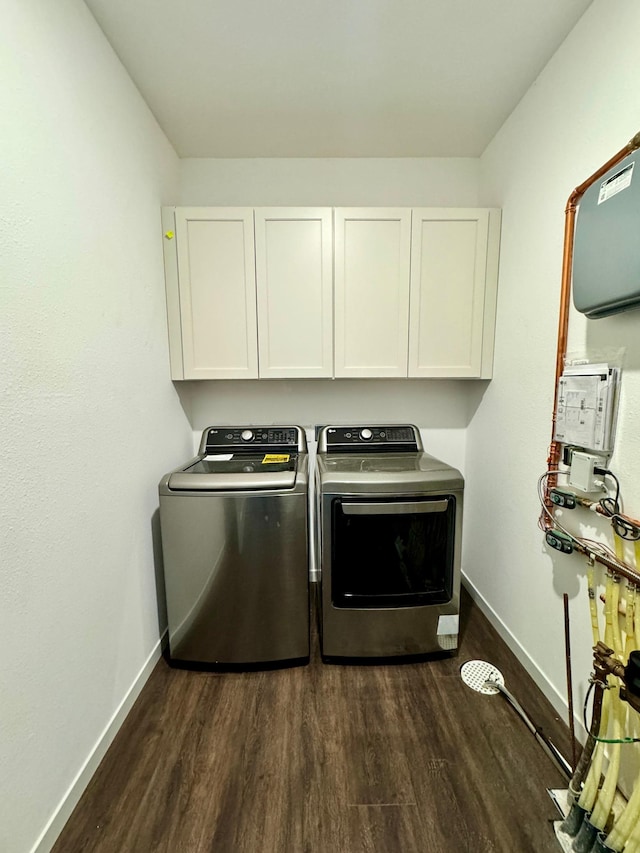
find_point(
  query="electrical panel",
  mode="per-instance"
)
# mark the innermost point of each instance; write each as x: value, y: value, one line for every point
x: 587, y: 400
x: 606, y: 255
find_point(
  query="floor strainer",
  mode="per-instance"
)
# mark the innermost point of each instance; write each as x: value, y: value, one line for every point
x: 481, y: 676
x: 485, y: 678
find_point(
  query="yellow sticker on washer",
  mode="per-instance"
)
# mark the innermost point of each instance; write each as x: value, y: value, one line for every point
x: 275, y: 457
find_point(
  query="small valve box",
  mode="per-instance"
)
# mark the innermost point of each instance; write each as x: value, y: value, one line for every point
x: 560, y: 541
x: 582, y: 472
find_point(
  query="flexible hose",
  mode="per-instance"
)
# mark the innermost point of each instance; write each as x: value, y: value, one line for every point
x: 586, y: 755
x: 618, y: 645
x: 637, y: 620
x: 623, y: 828
x: 630, y: 602
x: 552, y: 751
x: 590, y: 789
x: 587, y: 752
x: 629, y: 819
x: 592, y: 782
x: 633, y: 844
x: 591, y: 589
x: 607, y: 793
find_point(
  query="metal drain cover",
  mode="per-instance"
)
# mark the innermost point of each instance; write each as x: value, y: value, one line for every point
x: 478, y: 675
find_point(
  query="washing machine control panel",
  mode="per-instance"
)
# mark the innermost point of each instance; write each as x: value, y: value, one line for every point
x: 217, y: 439
x: 345, y: 439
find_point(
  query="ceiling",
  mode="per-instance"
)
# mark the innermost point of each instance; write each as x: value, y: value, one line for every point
x: 334, y: 78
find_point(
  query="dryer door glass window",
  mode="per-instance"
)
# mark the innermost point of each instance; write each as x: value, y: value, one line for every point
x: 392, y: 553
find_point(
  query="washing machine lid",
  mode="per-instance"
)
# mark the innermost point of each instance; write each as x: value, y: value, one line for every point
x: 237, y: 471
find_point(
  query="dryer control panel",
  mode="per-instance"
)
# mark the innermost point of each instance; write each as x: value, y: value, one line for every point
x: 389, y: 438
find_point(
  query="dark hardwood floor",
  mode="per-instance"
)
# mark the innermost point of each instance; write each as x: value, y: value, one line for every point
x: 328, y: 759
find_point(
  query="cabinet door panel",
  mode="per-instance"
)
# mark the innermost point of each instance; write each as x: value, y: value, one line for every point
x: 294, y: 284
x: 216, y: 271
x: 372, y: 254
x: 448, y: 277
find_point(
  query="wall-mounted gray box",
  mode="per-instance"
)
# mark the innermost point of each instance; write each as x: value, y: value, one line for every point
x: 606, y: 256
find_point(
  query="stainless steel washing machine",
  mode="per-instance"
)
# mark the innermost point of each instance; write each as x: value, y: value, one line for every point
x: 388, y: 540
x: 234, y: 526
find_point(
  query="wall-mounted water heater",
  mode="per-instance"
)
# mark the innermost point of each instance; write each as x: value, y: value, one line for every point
x: 606, y: 255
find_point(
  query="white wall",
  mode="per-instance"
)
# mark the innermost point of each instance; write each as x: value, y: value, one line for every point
x: 441, y: 409
x: 434, y: 181
x: 583, y: 108
x: 89, y: 419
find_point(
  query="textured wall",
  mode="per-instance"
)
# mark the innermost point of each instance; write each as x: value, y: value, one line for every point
x: 89, y: 419
x: 582, y: 109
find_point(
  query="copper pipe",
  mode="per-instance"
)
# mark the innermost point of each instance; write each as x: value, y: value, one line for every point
x: 563, y: 320
x: 619, y: 569
x: 567, y: 647
x: 596, y: 507
x: 599, y: 683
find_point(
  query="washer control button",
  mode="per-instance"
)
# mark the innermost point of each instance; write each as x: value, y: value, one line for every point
x: 366, y: 434
x: 246, y: 435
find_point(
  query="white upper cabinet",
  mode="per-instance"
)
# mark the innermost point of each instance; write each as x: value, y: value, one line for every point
x: 294, y: 275
x: 215, y: 279
x: 454, y: 264
x: 372, y: 253
x: 278, y: 293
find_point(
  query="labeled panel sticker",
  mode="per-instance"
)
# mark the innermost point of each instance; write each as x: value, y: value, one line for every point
x: 616, y: 183
x: 448, y: 624
x: 271, y: 458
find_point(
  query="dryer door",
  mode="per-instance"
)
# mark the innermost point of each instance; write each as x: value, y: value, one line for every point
x: 392, y: 552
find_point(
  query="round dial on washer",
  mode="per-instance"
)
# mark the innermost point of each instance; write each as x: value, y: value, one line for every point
x: 366, y: 434
x: 246, y: 435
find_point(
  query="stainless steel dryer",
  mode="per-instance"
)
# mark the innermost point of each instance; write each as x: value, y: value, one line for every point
x: 388, y: 541
x: 234, y: 524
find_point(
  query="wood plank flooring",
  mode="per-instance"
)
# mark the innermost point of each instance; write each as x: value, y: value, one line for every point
x: 327, y: 759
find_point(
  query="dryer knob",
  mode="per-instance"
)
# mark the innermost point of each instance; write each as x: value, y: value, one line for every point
x: 246, y: 435
x: 366, y: 434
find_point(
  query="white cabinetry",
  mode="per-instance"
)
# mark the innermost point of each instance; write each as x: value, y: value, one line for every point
x: 249, y: 301
x: 211, y: 293
x: 276, y: 293
x: 454, y: 267
x: 295, y: 281
x: 372, y: 252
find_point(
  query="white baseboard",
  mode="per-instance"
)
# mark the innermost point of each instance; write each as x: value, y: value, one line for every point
x: 61, y: 814
x: 557, y: 700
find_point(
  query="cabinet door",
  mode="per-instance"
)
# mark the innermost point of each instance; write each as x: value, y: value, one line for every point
x: 294, y: 279
x: 454, y: 255
x: 372, y: 255
x: 216, y: 275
